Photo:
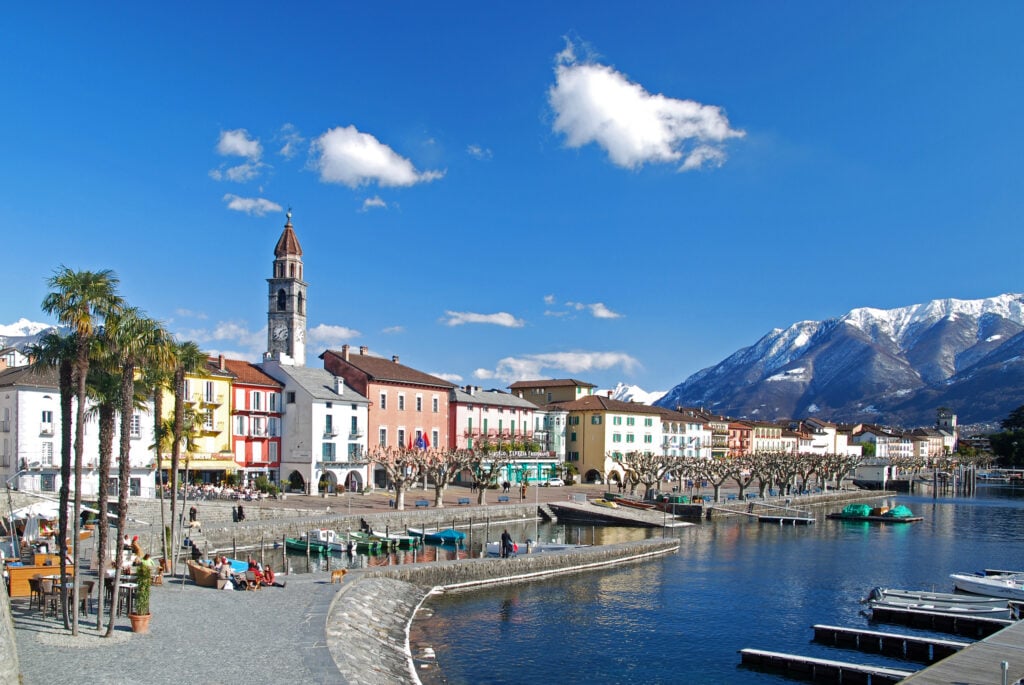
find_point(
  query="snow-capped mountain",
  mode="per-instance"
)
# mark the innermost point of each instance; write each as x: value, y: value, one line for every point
x: 887, y: 366
x: 22, y: 332
x: 632, y: 393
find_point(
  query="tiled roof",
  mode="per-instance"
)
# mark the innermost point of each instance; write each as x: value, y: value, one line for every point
x: 40, y: 377
x: 492, y: 398
x: 601, y: 403
x: 386, y: 370
x: 247, y: 372
x: 320, y: 384
x: 288, y: 243
x: 551, y: 383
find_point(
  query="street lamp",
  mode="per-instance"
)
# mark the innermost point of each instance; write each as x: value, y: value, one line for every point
x: 10, y: 512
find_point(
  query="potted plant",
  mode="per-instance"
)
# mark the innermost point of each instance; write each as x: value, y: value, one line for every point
x: 143, y: 581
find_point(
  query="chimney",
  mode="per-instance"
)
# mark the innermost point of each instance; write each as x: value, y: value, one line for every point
x: 344, y: 352
x: 220, y: 360
x: 394, y: 358
x: 339, y: 385
x: 469, y: 389
x: 363, y: 349
x: 609, y: 394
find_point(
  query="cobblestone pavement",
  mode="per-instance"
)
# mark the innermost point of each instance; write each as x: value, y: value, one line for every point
x: 197, y: 635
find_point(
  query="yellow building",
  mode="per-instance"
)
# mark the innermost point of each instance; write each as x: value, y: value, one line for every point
x: 600, y: 430
x: 209, y: 395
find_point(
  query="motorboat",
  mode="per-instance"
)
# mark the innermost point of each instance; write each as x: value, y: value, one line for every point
x: 316, y: 541
x: 982, y: 610
x: 633, y: 503
x: 1007, y: 586
x: 608, y: 504
x: 397, y: 539
x: 448, y: 536
x: 880, y: 594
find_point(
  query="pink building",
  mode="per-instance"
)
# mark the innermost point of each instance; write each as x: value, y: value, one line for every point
x: 255, y: 418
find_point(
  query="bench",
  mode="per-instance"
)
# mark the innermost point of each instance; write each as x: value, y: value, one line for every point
x: 463, y: 500
x: 422, y: 503
x: 502, y: 499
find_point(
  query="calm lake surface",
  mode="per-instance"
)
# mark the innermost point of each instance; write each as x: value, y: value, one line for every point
x: 733, y: 585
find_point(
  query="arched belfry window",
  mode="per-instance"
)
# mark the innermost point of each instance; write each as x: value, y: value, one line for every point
x: 278, y: 270
x: 302, y: 304
x: 282, y: 300
x: 291, y: 271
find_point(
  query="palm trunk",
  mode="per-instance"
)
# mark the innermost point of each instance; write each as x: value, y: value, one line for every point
x: 179, y: 427
x: 67, y: 388
x: 124, y: 476
x: 106, y: 451
x: 82, y: 365
x: 158, y: 410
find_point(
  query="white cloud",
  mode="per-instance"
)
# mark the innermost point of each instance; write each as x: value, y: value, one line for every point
x: 498, y: 319
x: 330, y: 336
x: 347, y: 156
x: 372, y: 202
x: 479, y: 152
x: 253, y: 206
x: 237, y: 143
x: 225, y: 335
x: 594, y: 103
x: 450, y: 377
x: 390, y: 330
x: 532, y: 366
x: 549, y: 299
x: 188, y: 313
x: 598, y: 310
x: 289, y: 135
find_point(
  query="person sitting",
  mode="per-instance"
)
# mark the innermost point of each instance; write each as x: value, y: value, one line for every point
x: 136, y: 547
x: 197, y: 553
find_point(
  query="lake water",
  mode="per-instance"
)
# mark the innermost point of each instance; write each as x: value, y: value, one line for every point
x: 733, y: 585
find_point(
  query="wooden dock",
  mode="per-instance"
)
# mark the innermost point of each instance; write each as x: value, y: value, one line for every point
x: 981, y: 662
x: 622, y: 516
x: 926, y: 650
x: 957, y: 624
x: 775, y: 513
x: 825, y: 670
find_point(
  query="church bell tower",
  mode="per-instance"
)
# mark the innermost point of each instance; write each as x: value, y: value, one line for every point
x: 286, y: 309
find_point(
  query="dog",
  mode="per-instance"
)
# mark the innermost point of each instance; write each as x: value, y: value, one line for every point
x: 338, y: 575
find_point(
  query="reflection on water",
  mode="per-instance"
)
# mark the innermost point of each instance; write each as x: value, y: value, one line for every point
x: 734, y: 584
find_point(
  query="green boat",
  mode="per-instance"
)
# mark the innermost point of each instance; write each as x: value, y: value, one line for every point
x: 365, y: 542
x: 300, y: 545
x: 863, y: 512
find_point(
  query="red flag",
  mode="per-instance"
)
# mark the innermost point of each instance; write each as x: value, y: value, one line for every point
x: 426, y: 442
x: 410, y: 442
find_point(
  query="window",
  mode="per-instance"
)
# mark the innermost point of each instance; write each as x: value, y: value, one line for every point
x: 47, y: 416
x: 630, y: 437
x: 257, y: 401
x: 48, y: 482
x: 208, y: 420
x: 275, y: 401
x: 383, y: 400
x: 208, y: 391
x: 433, y: 439
x: 327, y: 451
x: 595, y: 420
x: 648, y: 422
x: 355, y: 426
x: 630, y: 420
x: 616, y: 420
x: 616, y: 437
x: 401, y: 402
x: 272, y: 453
x: 135, y: 487
x: 435, y: 404
x: 573, y: 456
x: 383, y: 437
x: 5, y: 455
x: 240, y: 425
x: 282, y: 300
x: 648, y: 438
x: 572, y: 436
x: 273, y: 427
x: 46, y: 449
x: 401, y: 437
x: 419, y: 402
x: 259, y: 427
x: 135, y: 429
x: 291, y: 398
x: 354, y: 451
x: 329, y: 425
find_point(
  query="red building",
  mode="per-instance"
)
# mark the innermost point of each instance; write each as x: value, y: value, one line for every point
x: 255, y: 420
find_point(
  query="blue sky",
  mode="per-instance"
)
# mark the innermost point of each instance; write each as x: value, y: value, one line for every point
x: 527, y: 190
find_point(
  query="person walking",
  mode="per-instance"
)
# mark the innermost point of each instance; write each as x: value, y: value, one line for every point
x: 506, y: 544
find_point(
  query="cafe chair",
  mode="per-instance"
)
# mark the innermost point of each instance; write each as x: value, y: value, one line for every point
x: 48, y: 595
x: 85, y: 594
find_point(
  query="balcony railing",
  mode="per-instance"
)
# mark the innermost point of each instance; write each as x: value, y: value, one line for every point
x: 214, y: 398
x: 46, y: 428
x: 330, y: 433
x: 355, y: 435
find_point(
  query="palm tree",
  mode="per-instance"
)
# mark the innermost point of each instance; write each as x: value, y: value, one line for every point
x: 189, y: 360
x: 134, y: 340
x: 54, y: 350
x: 157, y: 375
x: 78, y: 300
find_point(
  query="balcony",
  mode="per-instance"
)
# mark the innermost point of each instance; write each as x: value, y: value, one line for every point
x: 355, y: 435
x: 215, y: 400
x: 5, y: 426
x: 213, y: 428
x: 330, y: 433
x: 46, y: 428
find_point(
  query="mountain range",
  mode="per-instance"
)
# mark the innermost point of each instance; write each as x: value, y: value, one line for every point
x: 885, y: 366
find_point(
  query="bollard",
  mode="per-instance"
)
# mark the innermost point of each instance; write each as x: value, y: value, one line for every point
x: 1005, y: 665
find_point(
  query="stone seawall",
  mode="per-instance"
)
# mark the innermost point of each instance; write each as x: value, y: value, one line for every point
x: 368, y: 623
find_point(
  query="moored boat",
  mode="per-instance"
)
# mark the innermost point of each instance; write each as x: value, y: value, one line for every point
x: 316, y: 541
x: 397, y: 539
x: 633, y: 503
x: 864, y: 512
x: 1007, y: 586
x: 982, y: 610
x: 921, y: 596
x: 448, y: 536
x: 204, y: 576
x: 608, y: 504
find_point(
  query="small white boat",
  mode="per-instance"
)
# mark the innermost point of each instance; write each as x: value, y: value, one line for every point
x: 881, y: 594
x: 982, y: 610
x: 1007, y: 586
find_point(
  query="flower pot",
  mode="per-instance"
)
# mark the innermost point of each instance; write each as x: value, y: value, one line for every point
x: 140, y: 624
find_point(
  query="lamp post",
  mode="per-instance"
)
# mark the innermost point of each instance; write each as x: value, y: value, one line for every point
x: 10, y: 513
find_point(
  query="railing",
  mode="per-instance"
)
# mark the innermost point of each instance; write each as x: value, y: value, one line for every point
x: 355, y: 435
x: 214, y: 399
x: 46, y: 428
x: 330, y: 433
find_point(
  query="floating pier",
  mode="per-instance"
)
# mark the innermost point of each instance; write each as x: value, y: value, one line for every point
x: 622, y: 516
x: 926, y: 650
x: 981, y: 662
x: 809, y: 668
x: 957, y: 624
x: 775, y: 513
